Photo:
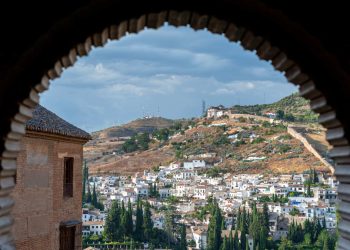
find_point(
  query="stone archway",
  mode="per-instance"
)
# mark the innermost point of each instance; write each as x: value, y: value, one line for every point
x: 256, y: 25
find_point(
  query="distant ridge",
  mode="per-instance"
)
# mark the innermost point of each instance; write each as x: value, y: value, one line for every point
x: 293, y: 104
x: 137, y: 126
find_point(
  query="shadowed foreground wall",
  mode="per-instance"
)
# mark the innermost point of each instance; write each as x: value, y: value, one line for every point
x: 40, y: 206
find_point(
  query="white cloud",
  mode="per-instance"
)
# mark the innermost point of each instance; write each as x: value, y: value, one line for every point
x: 244, y: 86
x: 234, y: 87
x: 127, y: 89
x: 259, y: 71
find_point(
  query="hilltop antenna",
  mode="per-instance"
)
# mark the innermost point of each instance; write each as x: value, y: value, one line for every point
x: 203, y: 107
x: 143, y: 111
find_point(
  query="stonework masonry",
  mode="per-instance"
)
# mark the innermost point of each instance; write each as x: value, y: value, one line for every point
x: 40, y: 205
x: 309, y: 147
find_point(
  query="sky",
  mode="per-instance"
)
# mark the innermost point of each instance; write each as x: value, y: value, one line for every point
x: 166, y: 72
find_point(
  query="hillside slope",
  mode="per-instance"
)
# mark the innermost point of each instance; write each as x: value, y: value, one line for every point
x: 137, y: 126
x: 293, y: 105
x: 235, y: 146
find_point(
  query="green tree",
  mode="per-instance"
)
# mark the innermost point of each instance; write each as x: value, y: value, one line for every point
x: 129, y: 223
x: 138, y: 234
x: 130, y: 145
x: 94, y: 196
x: 308, y: 189
x: 238, y: 220
x: 113, y: 222
x: 169, y: 225
x: 225, y: 245
x: 235, y: 243
x: 263, y: 238
x: 326, y: 244
x: 243, y: 238
x: 285, y: 244
x: 183, y: 241
x: 289, y: 117
x: 89, y: 196
x: 307, y: 239
x: 143, y: 140
x: 214, y: 229
x: 147, y: 222
x: 280, y: 114
x: 266, y: 217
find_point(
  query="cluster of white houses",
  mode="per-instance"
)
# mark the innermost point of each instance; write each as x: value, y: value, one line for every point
x: 192, y: 189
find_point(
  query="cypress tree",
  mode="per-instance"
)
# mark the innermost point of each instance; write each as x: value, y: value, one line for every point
x: 223, y: 226
x: 214, y: 229
x: 230, y: 241
x: 257, y: 246
x: 324, y: 226
x: 183, y: 241
x: 155, y: 190
x: 129, y: 224
x: 243, y: 239
x: 139, y: 222
x: 315, y: 177
x: 123, y: 220
x: 266, y: 217
x: 308, y: 190
x: 147, y: 223
x: 169, y: 225
x: 236, y: 241
x: 318, y: 228
x: 325, y: 243
x: 238, y: 220
x: 224, y: 245
x: 112, y: 222
x: 255, y: 224
x: 150, y: 190
x: 263, y: 238
x: 244, y: 220
x: 89, y: 196
x: 94, y: 196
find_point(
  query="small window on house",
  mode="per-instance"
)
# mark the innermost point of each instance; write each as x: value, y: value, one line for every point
x: 68, y: 177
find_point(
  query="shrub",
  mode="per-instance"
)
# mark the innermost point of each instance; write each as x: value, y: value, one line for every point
x: 242, y: 119
x: 285, y: 137
x: 221, y: 140
x: 258, y: 140
x: 238, y: 143
x: 282, y: 148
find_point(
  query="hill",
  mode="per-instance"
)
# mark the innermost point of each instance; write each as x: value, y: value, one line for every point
x: 294, y: 108
x: 232, y: 145
x: 236, y: 145
x: 147, y: 125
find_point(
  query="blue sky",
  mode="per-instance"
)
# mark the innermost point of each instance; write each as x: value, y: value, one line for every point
x: 166, y: 72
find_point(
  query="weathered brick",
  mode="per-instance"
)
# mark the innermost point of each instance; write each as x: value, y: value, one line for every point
x: 40, y: 205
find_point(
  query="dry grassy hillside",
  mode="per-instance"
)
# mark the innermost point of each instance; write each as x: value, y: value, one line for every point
x: 262, y: 148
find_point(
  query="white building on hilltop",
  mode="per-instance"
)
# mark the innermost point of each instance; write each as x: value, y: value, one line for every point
x: 217, y: 112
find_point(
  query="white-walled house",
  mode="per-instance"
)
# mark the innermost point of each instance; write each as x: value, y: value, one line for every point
x: 93, y: 227
x: 142, y: 190
x: 164, y: 192
x: 200, y: 237
x: 194, y: 164
x: 202, y: 191
x: 184, y: 175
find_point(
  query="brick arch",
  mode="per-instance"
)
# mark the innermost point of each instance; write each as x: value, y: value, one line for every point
x: 34, y: 75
